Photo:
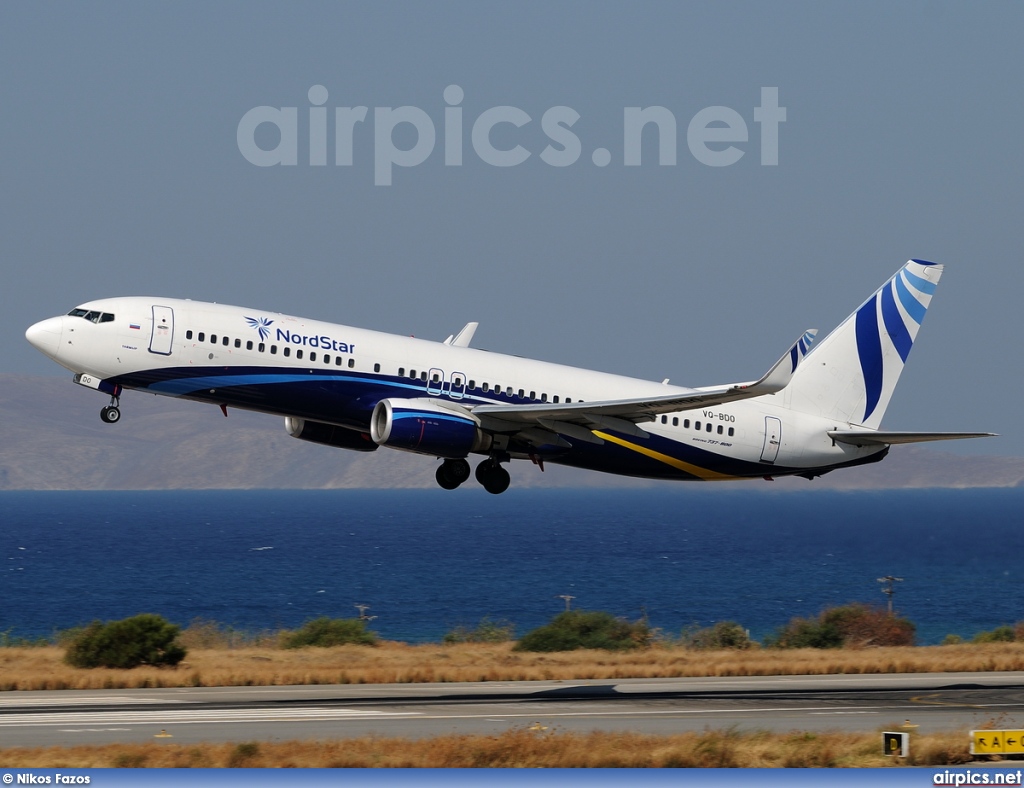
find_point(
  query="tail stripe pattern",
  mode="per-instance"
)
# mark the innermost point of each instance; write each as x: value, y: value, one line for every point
x: 869, y: 348
x: 894, y: 324
x: 914, y: 307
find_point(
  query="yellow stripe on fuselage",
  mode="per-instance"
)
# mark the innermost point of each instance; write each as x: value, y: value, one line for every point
x: 700, y: 473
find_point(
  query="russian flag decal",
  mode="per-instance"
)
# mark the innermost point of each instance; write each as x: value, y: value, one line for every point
x: 132, y: 325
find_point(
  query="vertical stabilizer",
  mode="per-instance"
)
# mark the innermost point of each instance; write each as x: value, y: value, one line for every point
x: 850, y: 375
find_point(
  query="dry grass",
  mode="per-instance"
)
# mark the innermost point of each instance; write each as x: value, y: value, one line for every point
x: 397, y: 663
x: 516, y: 748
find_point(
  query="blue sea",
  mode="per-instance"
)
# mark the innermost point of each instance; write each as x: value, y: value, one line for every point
x: 427, y: 561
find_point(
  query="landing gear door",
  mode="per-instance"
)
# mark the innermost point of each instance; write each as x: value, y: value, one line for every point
x: 772, y: 439
x: 163, y: 330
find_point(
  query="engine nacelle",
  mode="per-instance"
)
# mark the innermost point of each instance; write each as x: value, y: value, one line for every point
x: 328, y: 434
x: 425, y: 427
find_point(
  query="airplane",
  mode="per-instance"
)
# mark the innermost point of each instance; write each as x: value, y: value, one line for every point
x: 818, y: 408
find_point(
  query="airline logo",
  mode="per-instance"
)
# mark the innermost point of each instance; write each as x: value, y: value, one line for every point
x: 261, y: 324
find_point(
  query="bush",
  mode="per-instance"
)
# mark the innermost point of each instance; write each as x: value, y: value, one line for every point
x: 850, y: 626
x: 724, y: 634
x: 998, y: 635
x: 147, y: 639
x: 327, y: 632
x: 486, y: 631
x: 952, y: 640
x: 575, y: 629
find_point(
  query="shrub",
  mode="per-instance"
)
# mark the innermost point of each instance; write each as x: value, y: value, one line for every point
x: 952, y: 640
x: 326, y: 632
x: 146, y: 639
x: 998, y: 635
x: 575, y: 629
x: 486, y: 631
x: 724, y: 634
x: 850, y: 626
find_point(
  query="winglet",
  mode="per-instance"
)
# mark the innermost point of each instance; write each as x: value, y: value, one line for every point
x: 464, y: 337
x: 778, y: 377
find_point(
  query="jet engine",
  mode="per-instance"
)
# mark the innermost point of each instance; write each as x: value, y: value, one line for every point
x: 328, y: 434
x: 426, y: 427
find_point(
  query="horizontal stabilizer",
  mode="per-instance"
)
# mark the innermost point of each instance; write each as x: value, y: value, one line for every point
x: 882, y: 438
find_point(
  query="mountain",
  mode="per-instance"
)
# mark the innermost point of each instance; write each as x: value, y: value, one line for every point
x: 51, y: 438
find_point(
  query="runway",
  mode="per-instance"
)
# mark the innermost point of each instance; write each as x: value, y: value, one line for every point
x: 931, y: 702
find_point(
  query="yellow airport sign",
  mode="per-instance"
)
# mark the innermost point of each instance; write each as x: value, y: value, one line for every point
x: 1005, y: 742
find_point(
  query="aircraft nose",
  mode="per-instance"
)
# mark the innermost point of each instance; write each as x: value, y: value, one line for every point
x: 44, y: 336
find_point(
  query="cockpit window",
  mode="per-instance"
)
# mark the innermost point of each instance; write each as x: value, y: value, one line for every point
x: 93, y: 316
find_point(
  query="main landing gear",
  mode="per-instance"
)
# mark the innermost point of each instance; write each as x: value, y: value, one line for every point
x: 112, y: 413
x: 492, y: 476
x: 451, y: 473
x: 495, y: 479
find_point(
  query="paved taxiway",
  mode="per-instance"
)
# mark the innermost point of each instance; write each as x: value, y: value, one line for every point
x: 936, y: 701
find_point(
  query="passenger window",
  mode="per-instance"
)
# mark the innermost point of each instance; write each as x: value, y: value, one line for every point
x: 412, y: 374
x: 696, y: 425
x: 273, y: 350
x: 213, y: 339
x: 298, y: 353
x: 287, y: 350
x: 434, y: 378
x: 708, y: 427
x: 555, y: 398
x: 686, y: 423
x: 472, y: 385
x: 731, y: 432
x: 225, y: 341
x: 484, y: 387
x: 533, y: 395
x: 238, y: 343
x: 719, y: 429
x: 664, y: 419
x: 568, y: 399
x: 543, y: 397
x: 520, y: 392
x: 261, y: 347
x: 312, y: 355
x: 188, y: 334
x: 202, y: 336
x: 423, y: 376
x: 248, y: 345
x: 352, y: 365
x: 675, y: 421
x: 401, y: 372
x: 337, y: 361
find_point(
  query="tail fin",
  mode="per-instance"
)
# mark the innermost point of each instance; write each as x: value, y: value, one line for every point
x: 850, y: 375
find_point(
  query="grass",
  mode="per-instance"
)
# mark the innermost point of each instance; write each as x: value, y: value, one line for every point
x: 516, y: 748
x: 42, y: 667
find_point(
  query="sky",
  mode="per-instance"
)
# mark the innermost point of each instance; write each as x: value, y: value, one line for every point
x: 127, y: 168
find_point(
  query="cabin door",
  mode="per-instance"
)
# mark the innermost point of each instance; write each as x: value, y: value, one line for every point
x: 163, y: 330
x: 772, y: 439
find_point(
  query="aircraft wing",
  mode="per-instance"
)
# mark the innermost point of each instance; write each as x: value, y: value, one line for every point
x: 882, y: 438
x: 577, y: 419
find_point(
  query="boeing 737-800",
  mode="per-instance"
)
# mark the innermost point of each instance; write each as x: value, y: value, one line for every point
x: 815, y: 410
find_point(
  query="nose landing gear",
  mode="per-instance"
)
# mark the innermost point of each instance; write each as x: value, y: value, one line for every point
x: 111, y: 414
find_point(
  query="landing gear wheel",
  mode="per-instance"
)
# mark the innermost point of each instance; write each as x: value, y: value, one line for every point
x: 451, y: 473
x: 493, y: 477
x: 443, y: 480
x: 111, y: 414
